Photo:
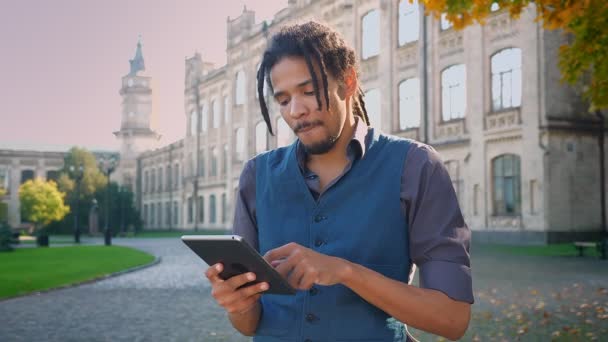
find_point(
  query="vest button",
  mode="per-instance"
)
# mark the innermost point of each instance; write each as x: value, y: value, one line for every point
x: 319, y: 218
x: 319, y: 243
x: 313, y: 291
x: 310, y: 318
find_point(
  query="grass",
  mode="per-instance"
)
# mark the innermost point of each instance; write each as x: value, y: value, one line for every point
x: 178, y: 233
x: 559, y: 249
x: 27, y: 270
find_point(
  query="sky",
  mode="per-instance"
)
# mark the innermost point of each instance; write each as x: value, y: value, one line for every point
x: 61, y: 64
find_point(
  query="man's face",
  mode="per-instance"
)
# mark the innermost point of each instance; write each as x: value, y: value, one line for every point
x: 317, y: 128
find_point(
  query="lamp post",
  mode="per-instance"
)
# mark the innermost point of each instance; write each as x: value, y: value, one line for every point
x: 107, y: 165
x: 77, y: 173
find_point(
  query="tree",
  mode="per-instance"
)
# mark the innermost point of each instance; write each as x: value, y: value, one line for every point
x: 122, y: 212
x: 584, y: 60
x: 92, y: 180
x: 42, y: 203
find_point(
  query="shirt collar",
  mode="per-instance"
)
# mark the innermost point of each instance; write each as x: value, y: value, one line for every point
x: 356, y: 148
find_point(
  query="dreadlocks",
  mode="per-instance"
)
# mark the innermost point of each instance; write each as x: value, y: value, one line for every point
x: 315, y: 43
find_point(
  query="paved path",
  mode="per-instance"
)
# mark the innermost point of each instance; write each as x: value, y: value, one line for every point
x: 166, y: 302
x: 171, y: 301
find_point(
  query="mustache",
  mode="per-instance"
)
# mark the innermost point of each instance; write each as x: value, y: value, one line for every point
x: 306, y: 124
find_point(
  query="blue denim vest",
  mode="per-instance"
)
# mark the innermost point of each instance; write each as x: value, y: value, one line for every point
x: 359, y: 219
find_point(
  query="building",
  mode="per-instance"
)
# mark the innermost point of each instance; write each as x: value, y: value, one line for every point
x: 520, y: 147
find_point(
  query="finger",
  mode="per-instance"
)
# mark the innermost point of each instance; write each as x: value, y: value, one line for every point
x: 213, y: 273
x: 244, y: 306
x: 285, y: 267
x: 280, y: 252
x: 233, y: 299
x: 240, y: 280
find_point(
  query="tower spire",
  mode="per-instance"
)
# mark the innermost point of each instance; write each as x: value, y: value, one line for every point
x: 137, y: 63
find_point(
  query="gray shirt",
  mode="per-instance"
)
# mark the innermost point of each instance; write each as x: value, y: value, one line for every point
x: 438, y: 236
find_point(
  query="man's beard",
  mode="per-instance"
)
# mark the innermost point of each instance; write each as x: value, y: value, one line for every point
x: 320, y: 147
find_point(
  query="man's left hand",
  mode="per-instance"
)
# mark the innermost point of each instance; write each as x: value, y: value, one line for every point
x: 303, y: 267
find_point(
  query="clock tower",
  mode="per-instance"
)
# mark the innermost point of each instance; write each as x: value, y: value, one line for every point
x: 135, y: 134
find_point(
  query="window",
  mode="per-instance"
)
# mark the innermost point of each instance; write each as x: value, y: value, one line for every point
x: 260, y: 137
x: 152, y: 214
x: 409, y: 104
x: 445, y: 23
x: 370, y: 34
x: 239, y: 91
x: 372, y: 105
x: 5, y: 179
x: 160, y: 179
x: 201, y: 209
x: 224, y: 208
x: 226, y: 109
x: 50, y: 175
x: 153, y: 181
x: 159, y: 211
x: 191, y: 165
x: 146, y: 182
x: 168, y: 214
x: 214, y: 162
x: 409, y: 22
x: 205, y: 118
x: 175, y: 213
x: 190, y: 210
x: 284, y: 133
x: 453, y: 168
x: 507, y: 195
x: 216, y: 113
x: 453, y: 92
x: 169, y: 180
x: 506, y: 79
x: 176, y: 179
x: 193, y: 123
x: 26, y: 175
x: 225, y: 160
x: 240, y: 144
x: 212, y: 209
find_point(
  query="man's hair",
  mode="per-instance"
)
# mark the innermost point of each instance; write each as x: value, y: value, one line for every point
x: 314, y: 42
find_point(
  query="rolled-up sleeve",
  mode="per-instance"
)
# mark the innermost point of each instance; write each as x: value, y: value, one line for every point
x: 245, y: 223
x: 439, y: 239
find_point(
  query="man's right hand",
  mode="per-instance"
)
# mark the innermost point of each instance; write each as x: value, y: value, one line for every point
x: 227, y: 293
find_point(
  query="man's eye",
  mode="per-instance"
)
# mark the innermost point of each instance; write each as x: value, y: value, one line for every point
x: 309, y: 93
x: 283, y: 103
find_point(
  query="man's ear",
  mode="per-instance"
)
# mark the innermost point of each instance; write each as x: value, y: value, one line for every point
x: 349, y: 85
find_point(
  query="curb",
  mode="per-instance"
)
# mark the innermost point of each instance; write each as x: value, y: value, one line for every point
x: 157, y: 260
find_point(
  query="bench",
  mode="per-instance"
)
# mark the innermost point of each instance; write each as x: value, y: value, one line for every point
x: 581, y: 245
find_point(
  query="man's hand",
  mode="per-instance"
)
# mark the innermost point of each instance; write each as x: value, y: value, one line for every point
x: 227, y: 292
x: 303, y: 267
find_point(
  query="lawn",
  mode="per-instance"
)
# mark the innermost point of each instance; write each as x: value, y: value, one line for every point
x: 558, y: 249
x: 28, y: 270
x: 178, y: 233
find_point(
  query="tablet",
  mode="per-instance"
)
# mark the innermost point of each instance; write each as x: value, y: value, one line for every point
x: 237, y: 257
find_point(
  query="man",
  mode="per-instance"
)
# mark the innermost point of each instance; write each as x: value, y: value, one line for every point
x: 344, y: 213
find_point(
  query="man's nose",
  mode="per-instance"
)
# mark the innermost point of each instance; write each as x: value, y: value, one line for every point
x: 297, y: 108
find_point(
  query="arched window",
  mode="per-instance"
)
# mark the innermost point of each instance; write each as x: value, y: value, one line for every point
x: 226, y: 109
x: 201, y: 209
x: 372, y: 105
x: 216, y: 113
x: 506, y: 79
x: 409, y: 22
x: 370, y: 34
x: 225, y: 159
x: 193, y: 123
x: 260, y: 137
x: 240, y: 144
x: 224, y: 208
x: 239, y: 91
x: 285, y: 135
x: 214, y: 155
x: 204, y: 118
x: 507, y: 185
x: 212, y: 217
x: 445, y: 23
x: 409, y: 104
x: 265, y: 90
x: 453, y: 92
